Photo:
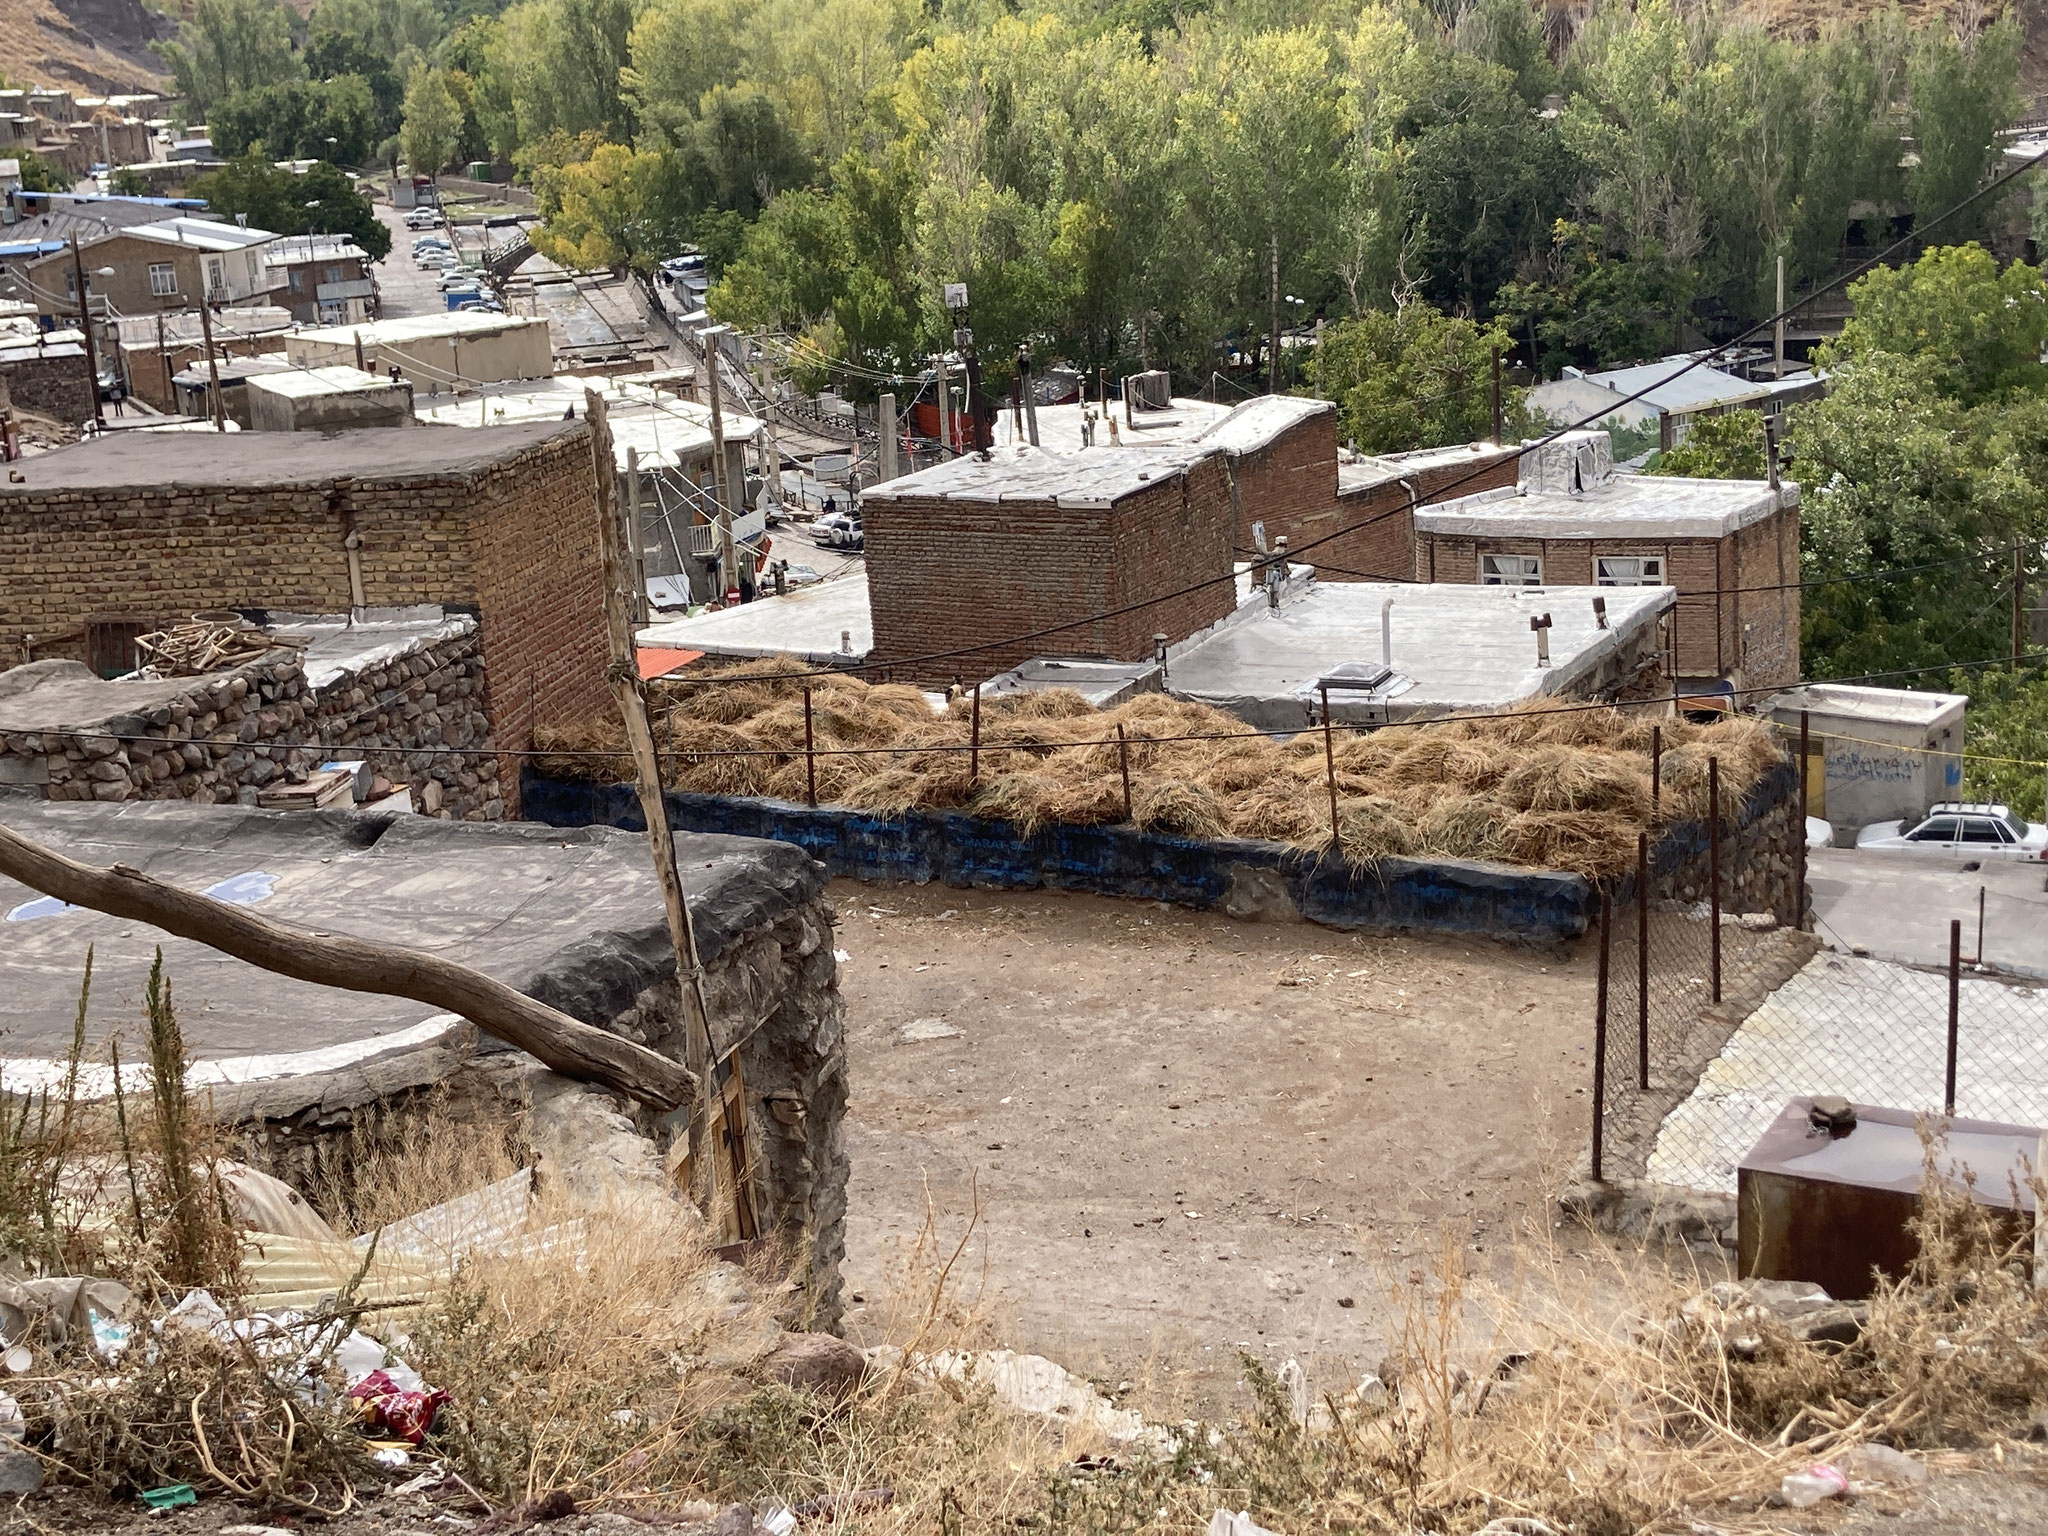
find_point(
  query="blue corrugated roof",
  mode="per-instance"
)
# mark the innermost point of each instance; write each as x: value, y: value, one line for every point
x: 29, y: 248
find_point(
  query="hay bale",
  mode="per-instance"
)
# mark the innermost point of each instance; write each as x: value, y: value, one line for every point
x: 1589, y: 843
x: 1464, y: 827
x: 836, y: 778
x: 1180, y: 809
x: 1555, y: 778
x: 890, y: 792
x: 1039, y: 704
x: 902, y: 701
x: 1278, y: 816
x: 1375, y: 828
x: 1094, y: 802
x: 1025, y: 798
x: 1234, y: 767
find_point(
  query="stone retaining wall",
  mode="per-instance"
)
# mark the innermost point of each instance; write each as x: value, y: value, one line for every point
x: 238, y: 732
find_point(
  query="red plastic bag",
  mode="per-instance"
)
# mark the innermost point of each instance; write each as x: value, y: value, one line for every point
x: 407, y: 1415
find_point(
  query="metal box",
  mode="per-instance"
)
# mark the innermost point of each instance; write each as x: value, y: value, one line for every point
x: 1832, y: 1208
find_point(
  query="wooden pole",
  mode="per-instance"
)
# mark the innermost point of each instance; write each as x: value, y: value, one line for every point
x: 220, y: 415
x: 1714, y: 868
x: 568, y: 1046
x: 1499, y: 423
x: 974, y: 741
x: 92, y: 362
x: 2019, y: 605
x: 624, y: 676
x: 1330, y: 766
x: 810, y: 751
x: 1123, y: 757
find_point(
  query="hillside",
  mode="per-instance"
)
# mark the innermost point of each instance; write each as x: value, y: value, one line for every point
x: 97, y: 47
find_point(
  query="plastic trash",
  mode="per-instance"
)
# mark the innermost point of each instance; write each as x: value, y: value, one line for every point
x: 407, y: 1412
x: 1801, y: 1490
x: 198, y: 1310
x: 1224, y: 1523
x: 13, y: 1422
x: 776, y: 1522
x: 392, y: 1457
x: 170, y: 1496
x: 356, y: 1356
x: 109, y: 1337
x: 1882, y: 1464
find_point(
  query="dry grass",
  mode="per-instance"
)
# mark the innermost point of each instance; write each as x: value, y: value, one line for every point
x: 1556, y: 787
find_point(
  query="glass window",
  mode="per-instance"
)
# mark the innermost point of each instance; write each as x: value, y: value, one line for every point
x: 1941, y: 830
x: 1510, y: 571
x: 1630, y: 570
x: 298, y: 280
x: 216, y: 275
x: 163, y: 279
x: 1978, y: 829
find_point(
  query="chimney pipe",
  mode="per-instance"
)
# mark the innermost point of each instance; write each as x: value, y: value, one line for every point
x: 1387, y: 634
x: 1540, y: 626
x: 1600, y: 611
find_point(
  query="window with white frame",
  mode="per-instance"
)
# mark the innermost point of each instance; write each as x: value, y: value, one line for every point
x: 216, y: 276
x: 163, y: 279
x: 298, y: 280
x: 1629, y: 570
x: 1510, y: 571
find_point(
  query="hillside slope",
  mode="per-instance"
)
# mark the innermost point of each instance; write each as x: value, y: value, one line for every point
x: 95, y: 47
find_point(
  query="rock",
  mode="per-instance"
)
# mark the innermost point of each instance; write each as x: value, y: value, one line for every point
x: 816, y: 1362
x: 1881, y: 1464
x: 20, y: 1472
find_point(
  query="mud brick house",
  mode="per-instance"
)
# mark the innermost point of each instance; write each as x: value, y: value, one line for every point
x: 497, y: 522
x: 1730, y: 547
x: 1376, y: 498
x: 970, y: 551
x: 1282, y: 451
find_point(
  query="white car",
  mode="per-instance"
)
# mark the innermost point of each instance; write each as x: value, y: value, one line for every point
x: 424, y: 218
x: 1962, y: 830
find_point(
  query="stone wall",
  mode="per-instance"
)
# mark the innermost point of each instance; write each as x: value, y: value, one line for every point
x: 236, y: 733
x: 50, y: 386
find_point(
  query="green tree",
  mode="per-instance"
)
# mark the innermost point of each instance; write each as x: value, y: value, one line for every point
x: 322, y: 201
x: 747, y: 148
x: 1727, y: 447
x: 230, y: 46
x: 39, y: 175
x: 296, y: 120
x: 1983, y: 326
x: 1415, y: 379
x: 1963, y: 90
x: 432, y: 121
x: 617, y: 208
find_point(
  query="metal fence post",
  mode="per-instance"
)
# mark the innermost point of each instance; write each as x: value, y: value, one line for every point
x: 1643, y: 961
x: 1600, y: 1034
x: 1714, y: 868
x: 1656, y: 767
x: 1955, y: 973
x: 974, y: 741
x: 1330, y: 767
x: 1123, y: 759
x: 1799, y: 823
x: 810, y: 751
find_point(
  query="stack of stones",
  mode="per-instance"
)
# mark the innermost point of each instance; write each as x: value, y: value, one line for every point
x: 241, y: 731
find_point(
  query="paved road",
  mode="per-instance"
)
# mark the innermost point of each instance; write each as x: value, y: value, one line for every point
x: 1898, y: 906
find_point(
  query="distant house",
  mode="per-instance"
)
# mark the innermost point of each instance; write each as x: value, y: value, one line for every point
x: 171, y: 264
x: 326, y: 279
x: 1668, y: 404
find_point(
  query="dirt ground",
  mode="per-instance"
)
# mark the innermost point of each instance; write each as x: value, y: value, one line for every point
x: 1192, y: 1135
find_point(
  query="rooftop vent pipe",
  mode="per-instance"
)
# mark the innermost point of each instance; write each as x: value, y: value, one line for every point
x: 1387, y: 634
x: 1541, y: 627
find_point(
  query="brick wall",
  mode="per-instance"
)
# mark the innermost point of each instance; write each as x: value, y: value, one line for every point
x: 144, y: 366
x: 1749, y: 635
x: 238, y: 732
x: 514, y: 541
x: 1381, y: 544
x: 50, y: 386
x: 945, y: 574
x: 1290, y: 485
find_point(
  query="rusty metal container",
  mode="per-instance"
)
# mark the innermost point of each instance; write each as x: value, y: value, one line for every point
x: 1833, y: 1207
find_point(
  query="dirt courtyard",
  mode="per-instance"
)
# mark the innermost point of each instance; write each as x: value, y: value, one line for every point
x: 1193, y: 1135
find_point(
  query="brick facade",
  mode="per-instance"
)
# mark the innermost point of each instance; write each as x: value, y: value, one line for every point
x: 1290, y: 485
x: 498, y: 521
x: 1381, y: 544
x: 148, y: 371
x: 1726, y: 623
x: 946, y: 572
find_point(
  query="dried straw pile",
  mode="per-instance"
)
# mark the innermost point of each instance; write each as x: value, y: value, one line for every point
x: 1546, y: 787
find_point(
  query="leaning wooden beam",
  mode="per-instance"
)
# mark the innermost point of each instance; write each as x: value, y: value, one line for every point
x: 567, y: 1045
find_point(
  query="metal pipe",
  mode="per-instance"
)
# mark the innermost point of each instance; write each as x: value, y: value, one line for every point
x: 1387, y: 634
x: 1600, y: 1034
x: 1643, y: 961
x: 1330, y: 764
x: 1955, y: 971
x: 1714, y: 866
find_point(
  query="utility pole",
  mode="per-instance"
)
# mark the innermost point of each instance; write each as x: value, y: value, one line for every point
x: 1778, y: 328
x: 1497, y: 423
x: 885, y: 425
x: 1030, y: 405
x: 945, y: 405
x: 220, y: 417
x: 774, y: 475
x: 92, y: 360
x: 2019, y: 612
x: 1273, y: 386
x: 728, y: 555
x: 963, y: 338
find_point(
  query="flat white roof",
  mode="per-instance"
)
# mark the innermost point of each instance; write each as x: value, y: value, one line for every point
x: 1254, y: 424
x: 339, y: 379
x: 456, y: 322
x: 1703, y: 388
x: 1625, y: 506
x: 1885, y: 706
x: 1095, y: 478
x: 807, y: 623
x: 661, y: 427
x: 1361, y: 472
x: 202, y: 234
x: 1458, y: 648
x: 1059, y: 426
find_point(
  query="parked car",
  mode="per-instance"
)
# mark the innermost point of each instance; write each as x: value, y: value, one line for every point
x: 1962, y: 830
x: 460, y: 277
x: 425, y: 218
x: 1819, y: 833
